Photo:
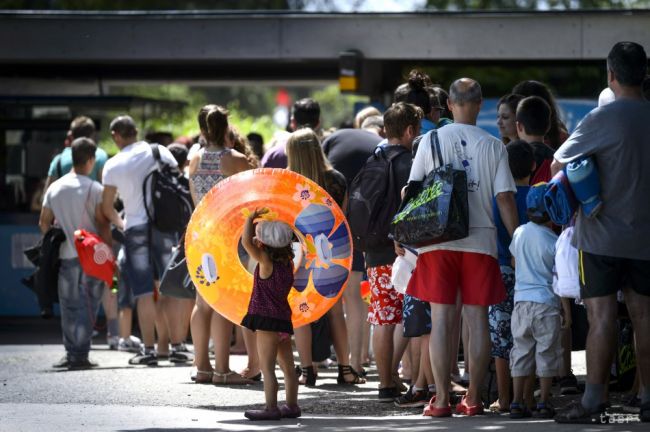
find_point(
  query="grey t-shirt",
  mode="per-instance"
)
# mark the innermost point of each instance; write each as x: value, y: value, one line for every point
x: 617, y: 135
x: 73, y: 203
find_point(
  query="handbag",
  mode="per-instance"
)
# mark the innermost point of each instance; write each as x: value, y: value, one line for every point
x: 95, y: 256
x: 434, y: 210
x: 176, y: 281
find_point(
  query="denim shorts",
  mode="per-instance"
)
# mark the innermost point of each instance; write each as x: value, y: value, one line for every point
x: 124, y: 294
x: 144, y: 260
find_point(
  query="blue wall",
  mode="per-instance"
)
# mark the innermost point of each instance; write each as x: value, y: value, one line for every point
x: 571, y: 112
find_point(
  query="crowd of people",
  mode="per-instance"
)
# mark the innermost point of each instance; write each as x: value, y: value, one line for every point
x: 492, y: 290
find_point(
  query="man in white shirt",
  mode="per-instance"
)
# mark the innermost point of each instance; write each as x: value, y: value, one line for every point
x: 465, y: 269
x: 146, y: 250
x: 74, y: 200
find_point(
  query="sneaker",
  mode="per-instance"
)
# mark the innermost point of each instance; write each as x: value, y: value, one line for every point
x: 644, y: 412
x: 82, y: 364
x: 544, y: 410
x: 569, y: 385
x: 61, y: 364
x: 412, y: 398
x: 145, y: 357
x: 130, y: 344
x: 464, y: 380
x: 632, y: 405
x: 577, y: 414
x: 519, y: 411
x: 180, y: 354
x: 388, y: 394
x: 113, y: 342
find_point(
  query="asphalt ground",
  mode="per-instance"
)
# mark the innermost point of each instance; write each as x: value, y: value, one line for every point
x: 118, y: 397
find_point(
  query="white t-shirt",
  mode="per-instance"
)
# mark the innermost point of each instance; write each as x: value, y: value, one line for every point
x: 485, y: 160
x: 73, y: 203
x: 126, y: 171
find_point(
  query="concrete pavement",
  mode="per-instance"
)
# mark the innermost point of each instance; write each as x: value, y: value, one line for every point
x: 119, y: 397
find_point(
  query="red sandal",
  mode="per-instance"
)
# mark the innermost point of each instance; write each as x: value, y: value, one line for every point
x: 469, y: 410
x: 433, y: 411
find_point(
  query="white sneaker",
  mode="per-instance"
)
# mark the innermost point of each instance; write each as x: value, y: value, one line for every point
x: 113, y: 342
x: 132, y: 344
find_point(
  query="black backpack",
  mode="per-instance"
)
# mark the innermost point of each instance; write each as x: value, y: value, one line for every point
x: 374, y: 199
x: 166, y: 199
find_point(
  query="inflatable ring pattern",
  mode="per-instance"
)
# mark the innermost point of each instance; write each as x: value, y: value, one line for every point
x: 324, y: 257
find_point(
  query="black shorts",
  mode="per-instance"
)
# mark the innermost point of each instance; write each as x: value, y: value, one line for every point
x: 603, y: 275
x: 358, y: 262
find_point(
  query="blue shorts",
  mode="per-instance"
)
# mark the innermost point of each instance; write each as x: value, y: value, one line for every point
x: 416, y: 316
x: 145, y: 261
x: 500, y: 315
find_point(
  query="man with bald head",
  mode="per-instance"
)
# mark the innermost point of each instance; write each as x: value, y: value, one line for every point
x: 465, y: 270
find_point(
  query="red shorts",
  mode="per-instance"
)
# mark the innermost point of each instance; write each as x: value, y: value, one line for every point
x: 440, y: 274
x: 385, y: 302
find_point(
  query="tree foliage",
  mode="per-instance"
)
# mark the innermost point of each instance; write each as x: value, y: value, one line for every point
x: 316, y: 5
x: 467, y: 5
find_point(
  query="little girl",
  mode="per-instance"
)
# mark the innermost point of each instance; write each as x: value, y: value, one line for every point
x: 269, y: 314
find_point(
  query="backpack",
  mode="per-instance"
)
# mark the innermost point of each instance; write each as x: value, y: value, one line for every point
x: 374, y: 199
x: 169, y: 206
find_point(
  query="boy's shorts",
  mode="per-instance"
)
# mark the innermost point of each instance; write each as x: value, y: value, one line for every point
x: 385, y: 302
x: 146, y: 261
x: 500, y: 315
x: 536, y: 336
x: 602, y: 275
x: 439, y: 275
x: 417, y: 317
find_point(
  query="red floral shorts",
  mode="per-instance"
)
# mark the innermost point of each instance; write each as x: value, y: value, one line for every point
x: 385, y: 302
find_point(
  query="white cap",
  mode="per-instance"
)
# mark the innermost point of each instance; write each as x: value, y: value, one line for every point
x: 606, y: 96
x: 274, y: 233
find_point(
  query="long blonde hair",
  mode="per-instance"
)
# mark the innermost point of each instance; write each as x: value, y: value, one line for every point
x: 305, y: 156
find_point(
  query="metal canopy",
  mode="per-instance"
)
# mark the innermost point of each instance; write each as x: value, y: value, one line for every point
x: 207, y: 38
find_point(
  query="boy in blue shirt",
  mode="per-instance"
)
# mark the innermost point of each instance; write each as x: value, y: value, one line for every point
x: 521, y: 160
x: 536, y: 319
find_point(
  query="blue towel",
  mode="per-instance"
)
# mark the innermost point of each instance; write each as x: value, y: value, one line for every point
x: 559, y: 199
x: 585, y: 183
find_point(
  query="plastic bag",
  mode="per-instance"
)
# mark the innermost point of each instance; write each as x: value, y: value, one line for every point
x: 566, y: 279
x: 402, y: 270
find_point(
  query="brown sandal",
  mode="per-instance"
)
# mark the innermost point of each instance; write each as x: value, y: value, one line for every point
x: 348, y: 370
x: 229, y: 378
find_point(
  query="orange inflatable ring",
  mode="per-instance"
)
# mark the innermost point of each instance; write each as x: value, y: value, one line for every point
x: 323, y: 253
